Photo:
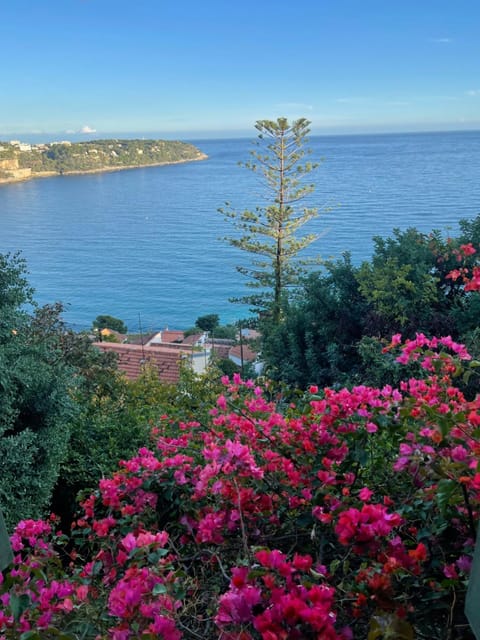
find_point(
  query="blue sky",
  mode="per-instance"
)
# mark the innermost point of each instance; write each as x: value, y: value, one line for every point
x: 213, y: 67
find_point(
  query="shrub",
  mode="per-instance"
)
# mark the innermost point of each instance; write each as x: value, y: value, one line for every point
x: 350, y: 513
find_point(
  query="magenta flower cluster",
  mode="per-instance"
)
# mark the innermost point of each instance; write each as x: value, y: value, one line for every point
x: 269, y: 521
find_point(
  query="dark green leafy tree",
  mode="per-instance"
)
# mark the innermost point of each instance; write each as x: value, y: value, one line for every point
x: 316, y: 342
x: 270, y: 233
x: 34, y: 397
x: 207, y: 323
x: 403, y: 283
x: 338, y: 323
x: 109, y: 322
x: 226, y: 332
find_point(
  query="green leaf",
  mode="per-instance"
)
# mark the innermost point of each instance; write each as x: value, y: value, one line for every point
x: 387, y: 625
x: 423, y: 534
x: 159, y: 589
x: 154, y: 556
x: 334, y: 566
x: 305, y: 520
x: 446, y: 489
x: 19, y: 604
x: 30, y: 635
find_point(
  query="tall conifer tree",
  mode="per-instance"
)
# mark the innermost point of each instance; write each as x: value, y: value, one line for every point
x: 270, y: 233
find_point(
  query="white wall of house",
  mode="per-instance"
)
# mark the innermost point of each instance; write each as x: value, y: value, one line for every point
x: 200, y: 360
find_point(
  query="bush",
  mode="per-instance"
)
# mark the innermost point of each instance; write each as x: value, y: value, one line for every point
x: 347, y: 514
x: 34, y: 396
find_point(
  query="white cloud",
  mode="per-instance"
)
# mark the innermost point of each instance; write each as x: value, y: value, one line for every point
x: 441, y: 40
x: 87, y: 129
x: 473, y: 92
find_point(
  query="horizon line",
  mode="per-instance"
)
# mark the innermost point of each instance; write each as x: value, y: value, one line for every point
x: 232, y: 134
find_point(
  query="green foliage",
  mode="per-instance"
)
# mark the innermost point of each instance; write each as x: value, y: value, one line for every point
x: 34, y: 396
x: 113, y: 420
x: 340, y: 514
x: 270, y: 233
x: 109, y: 322
x: 226, y: 332
x: 336, y: 326
x: 379, y: 368
x: 67, y: 415
x: 208, y: 322
x: 401, y: 282
x: 115, y: 417
x: 388, y: 625
x: 96, y: 155
x: 6, y: 553
x: 317, y: 340
x: 227, y: 366
x: 223, y: 331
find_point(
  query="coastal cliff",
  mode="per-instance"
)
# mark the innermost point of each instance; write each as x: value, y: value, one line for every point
x: 10, y: 171
x: 22, y: 161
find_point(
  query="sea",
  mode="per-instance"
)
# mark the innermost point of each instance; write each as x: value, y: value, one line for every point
x: 147, y: 245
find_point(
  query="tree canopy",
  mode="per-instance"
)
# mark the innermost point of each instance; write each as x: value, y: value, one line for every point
x: 208, y: 322
x: 338, y: 322
x: 36, y: 405
x: 110, y: 322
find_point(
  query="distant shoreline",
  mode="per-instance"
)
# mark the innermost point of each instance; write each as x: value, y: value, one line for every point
x: 51, y: 174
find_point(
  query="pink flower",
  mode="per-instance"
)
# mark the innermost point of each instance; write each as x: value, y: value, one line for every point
x: 365, y: 494
x: 236, y: 605
x: 449, y: 571
x: 458, y: 453
x: 129, y: 542
x: 302, y: 563
x: 467, y: 249
x: 222, y: 402
x: 164, y: 627
x: 210, y: 528
x: 81, y: 592
x: 464, y: 563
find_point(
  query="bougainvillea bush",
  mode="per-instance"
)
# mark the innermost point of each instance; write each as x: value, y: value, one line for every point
x: 347, y: 514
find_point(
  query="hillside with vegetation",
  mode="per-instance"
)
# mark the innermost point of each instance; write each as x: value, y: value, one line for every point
x: 22, y: 161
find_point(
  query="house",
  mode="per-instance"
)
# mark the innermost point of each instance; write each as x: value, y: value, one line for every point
x: 166, y: 358
x: 250, y: 334
x: 134, y: 358
x: 237, y: 353
x: 110, y: 335
x: 196, y: 339
x: 245, y: 353
x: 167, y: 336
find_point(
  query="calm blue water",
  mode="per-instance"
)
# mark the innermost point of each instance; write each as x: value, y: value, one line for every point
x: 145, y: 243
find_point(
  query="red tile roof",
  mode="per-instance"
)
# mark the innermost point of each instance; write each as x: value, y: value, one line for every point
x: 132, y: 359
x: 193, y: 339
x: 221, y: 350
x: 172, y: 335
x: 143, y: 339
x: 248, y: 354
